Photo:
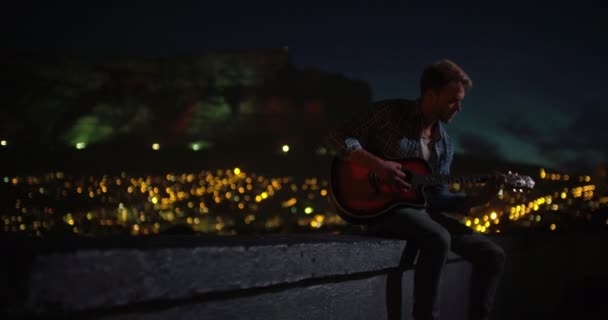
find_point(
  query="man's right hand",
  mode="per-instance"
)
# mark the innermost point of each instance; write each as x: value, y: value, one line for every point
x: 390, y: 172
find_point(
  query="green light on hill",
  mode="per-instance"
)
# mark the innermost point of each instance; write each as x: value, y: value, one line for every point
x: 88, y: 129
x: 199, y: 145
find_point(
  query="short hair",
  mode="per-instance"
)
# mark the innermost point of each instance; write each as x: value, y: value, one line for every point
x: 438, y: 74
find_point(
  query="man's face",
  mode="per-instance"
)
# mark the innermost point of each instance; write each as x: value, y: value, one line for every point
x: 449, y: 100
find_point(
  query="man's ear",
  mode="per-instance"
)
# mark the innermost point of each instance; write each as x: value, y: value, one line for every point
x: 433, y: 94
x: 430, y: 94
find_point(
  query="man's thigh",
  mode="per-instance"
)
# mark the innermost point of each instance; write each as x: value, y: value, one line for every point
x: 406, y: 223
x: 466, y: 242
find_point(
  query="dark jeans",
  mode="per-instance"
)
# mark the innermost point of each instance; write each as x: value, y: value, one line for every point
x: 435, y: 234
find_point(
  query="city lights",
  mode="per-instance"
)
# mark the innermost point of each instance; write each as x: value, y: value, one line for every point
x: 223, y: 200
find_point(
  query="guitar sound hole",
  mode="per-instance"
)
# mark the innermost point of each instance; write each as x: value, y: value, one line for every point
x: 373, y: 181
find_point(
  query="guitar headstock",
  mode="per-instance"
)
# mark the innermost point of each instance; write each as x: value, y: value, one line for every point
x: 518, y: 182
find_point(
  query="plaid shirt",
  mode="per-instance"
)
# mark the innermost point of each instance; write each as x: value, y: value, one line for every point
x: 391, y: 129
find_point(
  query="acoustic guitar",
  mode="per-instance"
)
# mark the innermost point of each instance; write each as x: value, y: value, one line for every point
x: 359, y: 195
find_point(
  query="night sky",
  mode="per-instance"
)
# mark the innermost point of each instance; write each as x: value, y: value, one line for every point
x: 539, y: 71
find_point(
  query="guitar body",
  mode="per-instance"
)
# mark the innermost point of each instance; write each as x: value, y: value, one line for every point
x: 358, y: 195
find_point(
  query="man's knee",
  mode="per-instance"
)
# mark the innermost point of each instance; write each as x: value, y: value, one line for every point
x: 497, y: 258
x: 439, y: 240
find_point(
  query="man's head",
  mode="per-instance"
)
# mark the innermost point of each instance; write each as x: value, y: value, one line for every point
x: 442, y: 89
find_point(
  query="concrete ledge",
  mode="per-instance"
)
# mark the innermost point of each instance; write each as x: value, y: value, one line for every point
x: 352, y: 299
x: 547, y: 276
x: 106, y: 276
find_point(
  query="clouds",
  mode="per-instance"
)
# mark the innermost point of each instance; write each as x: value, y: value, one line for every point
x: 519, y: 127
x: 480, y: 145
x: 586, y: 137
x: 587, y: 131
x: 579, y: 145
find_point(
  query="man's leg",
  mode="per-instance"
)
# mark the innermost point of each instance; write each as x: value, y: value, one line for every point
x: 488, y: 261
x: 434, y: 242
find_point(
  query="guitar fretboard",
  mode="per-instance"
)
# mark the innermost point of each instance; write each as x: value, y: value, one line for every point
x: 446, y: 179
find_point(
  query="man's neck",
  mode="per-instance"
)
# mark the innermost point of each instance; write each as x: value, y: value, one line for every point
x: 429, y: 119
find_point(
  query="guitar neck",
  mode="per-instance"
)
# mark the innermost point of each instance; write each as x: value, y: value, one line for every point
x: 435, y: 179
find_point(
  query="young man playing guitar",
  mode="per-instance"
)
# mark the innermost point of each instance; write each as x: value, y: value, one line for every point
x: 399, y: 129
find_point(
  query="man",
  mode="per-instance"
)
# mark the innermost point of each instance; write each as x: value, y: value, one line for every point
x: 405, y: 128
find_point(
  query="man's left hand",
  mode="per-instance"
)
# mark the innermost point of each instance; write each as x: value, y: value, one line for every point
x: 494, y: 183
x: 486, y: 194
